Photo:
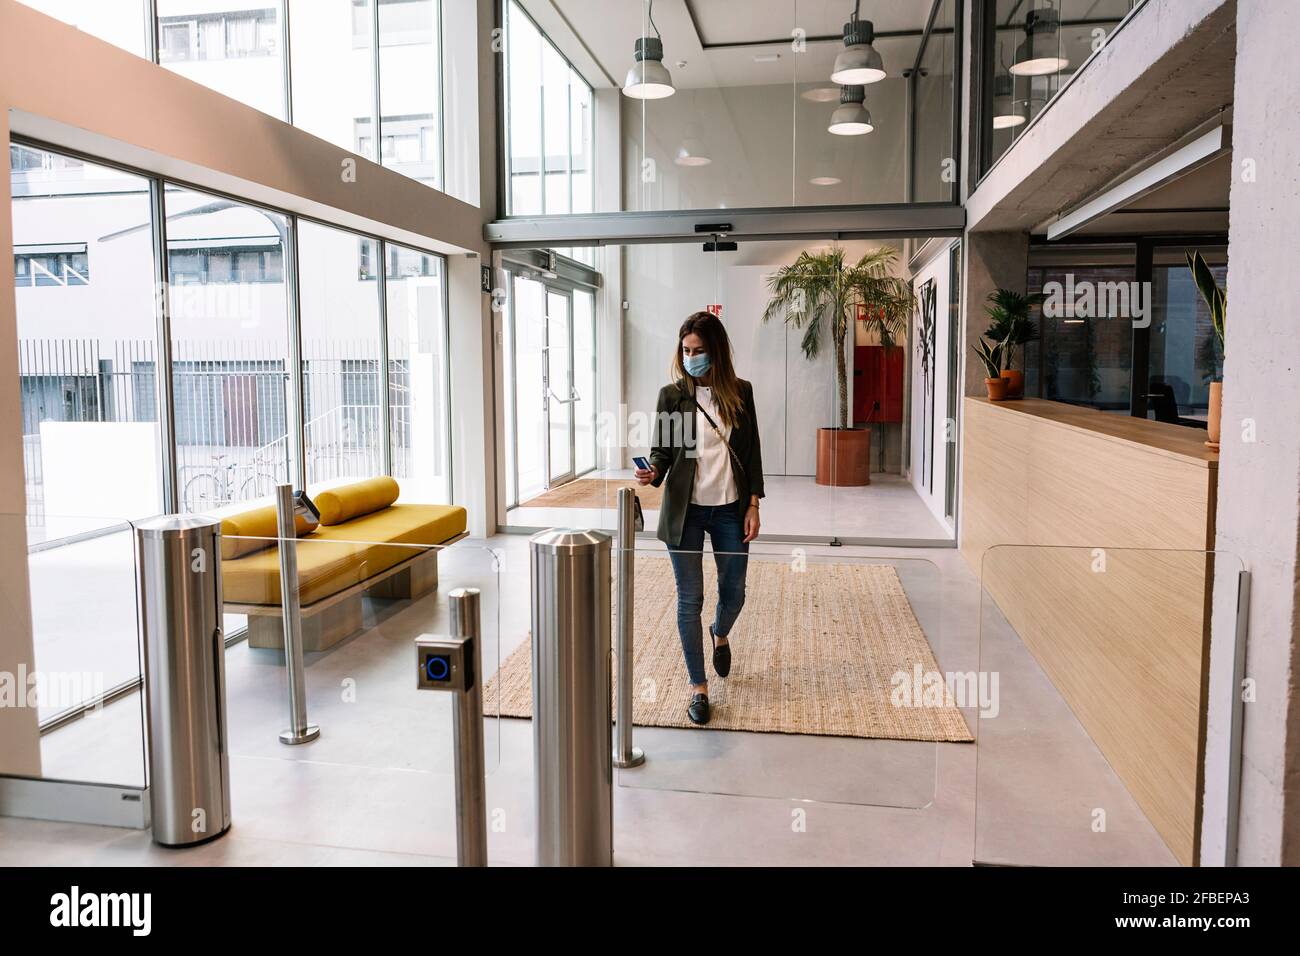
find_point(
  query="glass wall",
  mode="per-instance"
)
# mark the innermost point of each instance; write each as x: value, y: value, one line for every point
x: 342, y: 82
x: 1128, y: 332
x: 410, y: 88
x: 341, y: 354
x: 749, y: 114
x: 547, y: 123
x: 93, y: 392
x: 418, y: 387
x: 230, y: 349
x: 1031, y: 49
x: 88, y: 341
x: 1183, y: 349
x: 228, y: 45
x: 87, y: 322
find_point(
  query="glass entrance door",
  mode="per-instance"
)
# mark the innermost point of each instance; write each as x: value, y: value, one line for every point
x: 552, y: 354
x: 561, y: 393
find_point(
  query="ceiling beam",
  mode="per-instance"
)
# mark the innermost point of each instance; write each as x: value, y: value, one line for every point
x: 894, y: 220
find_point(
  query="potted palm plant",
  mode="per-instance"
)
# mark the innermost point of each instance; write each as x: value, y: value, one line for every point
x: 1216, y: 300
x: 1010, y: 326
x: 819, y: 294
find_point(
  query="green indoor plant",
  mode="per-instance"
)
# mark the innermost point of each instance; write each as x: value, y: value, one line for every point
x: 819, y: 294
x: 1011, y: 327
x: 990, y: 354
x: 1216, y: 300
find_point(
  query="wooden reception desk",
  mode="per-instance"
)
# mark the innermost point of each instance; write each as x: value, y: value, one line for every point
x: 1122, y: 634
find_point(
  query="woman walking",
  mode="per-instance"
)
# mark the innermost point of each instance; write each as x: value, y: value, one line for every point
x: 706, y: 455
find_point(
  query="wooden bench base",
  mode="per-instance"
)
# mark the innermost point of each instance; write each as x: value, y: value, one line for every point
x: 334, y: 618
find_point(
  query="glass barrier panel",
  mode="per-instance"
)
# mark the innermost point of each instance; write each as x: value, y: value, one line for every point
x: 839, y: 688
x: 380, y: 775
x: 79, y: 678
x: 1091, y: 756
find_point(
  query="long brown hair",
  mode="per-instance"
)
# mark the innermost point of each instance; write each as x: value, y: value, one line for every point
x: 725, y: 385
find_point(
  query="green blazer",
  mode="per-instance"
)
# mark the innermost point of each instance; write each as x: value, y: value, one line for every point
x: 675, y: 469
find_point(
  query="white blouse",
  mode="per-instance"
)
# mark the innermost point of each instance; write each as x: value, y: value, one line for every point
x: 714, y: 482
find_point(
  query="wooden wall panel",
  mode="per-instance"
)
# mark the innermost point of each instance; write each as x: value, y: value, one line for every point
x: 1121, y: 633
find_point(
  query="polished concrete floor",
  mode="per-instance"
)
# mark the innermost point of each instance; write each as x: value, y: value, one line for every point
x: 886, y: 512
x: 376, y: 788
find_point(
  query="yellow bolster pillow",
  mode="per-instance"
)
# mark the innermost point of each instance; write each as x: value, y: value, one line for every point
x: 352, y: 501
x: 254, y: 530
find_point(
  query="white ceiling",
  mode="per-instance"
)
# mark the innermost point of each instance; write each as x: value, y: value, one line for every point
x: 598, y: 36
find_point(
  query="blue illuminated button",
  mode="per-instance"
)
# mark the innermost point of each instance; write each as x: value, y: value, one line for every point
x: 437, y: 667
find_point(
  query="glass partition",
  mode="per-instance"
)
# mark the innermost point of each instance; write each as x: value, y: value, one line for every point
x: 737, y: 111
x: 363, y: 603
x: 1031, y: 49
x: 380, y: 777
x: 840, y: 688
x: 81, y: 682
x: 1093, y: 753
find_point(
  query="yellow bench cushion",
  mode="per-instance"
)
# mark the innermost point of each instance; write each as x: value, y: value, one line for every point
x: 249, y: 531
x: 335, y: 557
x: 345, y: 502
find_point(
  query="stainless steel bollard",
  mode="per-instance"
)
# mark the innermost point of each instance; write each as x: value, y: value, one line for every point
x: 453, y: 664
x: 299, y: 732
x: 572, y: 740
x: 625, y: 755
x: 178, y: 586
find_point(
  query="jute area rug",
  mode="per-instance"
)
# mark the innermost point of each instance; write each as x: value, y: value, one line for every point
x: 594, y: 493
x: 817, y: 651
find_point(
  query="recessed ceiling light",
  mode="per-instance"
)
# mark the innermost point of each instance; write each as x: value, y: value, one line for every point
x: 766, y: 57
x: 825, y: 180
x: 822, y: 94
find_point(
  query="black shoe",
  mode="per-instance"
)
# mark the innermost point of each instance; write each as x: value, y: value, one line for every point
x: 721, y: 656
x: 699, y: 709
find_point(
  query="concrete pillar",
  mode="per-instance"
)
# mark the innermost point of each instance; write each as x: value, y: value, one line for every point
x: 1258, y: 516
x: 991, y: 260
x: 20, y: 744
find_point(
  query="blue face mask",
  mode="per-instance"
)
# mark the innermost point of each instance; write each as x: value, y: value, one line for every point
x: 696, y: 365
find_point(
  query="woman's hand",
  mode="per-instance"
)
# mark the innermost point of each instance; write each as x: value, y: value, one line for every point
x: 751, y: 524
x: 647, y: 476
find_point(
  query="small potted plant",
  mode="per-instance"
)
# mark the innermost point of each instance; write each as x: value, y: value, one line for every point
x: 1216, y: 300
x: 990, y: 353
x: 1010, y: 326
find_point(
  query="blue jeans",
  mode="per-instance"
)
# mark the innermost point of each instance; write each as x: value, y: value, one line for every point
x: 726, y: 531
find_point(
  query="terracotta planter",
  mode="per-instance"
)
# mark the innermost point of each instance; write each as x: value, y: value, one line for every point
x: 844, y: 456
x: 1015, y: 380
x: 997, y: 389
x: 1212, y: 420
